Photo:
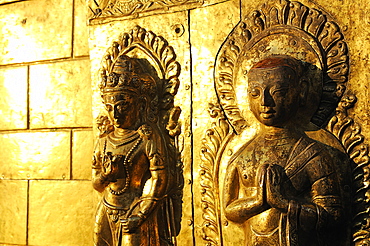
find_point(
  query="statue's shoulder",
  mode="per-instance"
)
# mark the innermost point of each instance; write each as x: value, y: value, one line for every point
x: 244, y: 151
x: 146, y: 132
x: 322, y: 158
x: 324, y: 148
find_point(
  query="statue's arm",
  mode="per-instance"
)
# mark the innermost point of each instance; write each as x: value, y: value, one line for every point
x: 241, y: 209
x: 327, y: 208
x: 159, y: 180
x: 323, y: 209
x: 148, y: 202
x: 100, y: 181
x: 154, y: 149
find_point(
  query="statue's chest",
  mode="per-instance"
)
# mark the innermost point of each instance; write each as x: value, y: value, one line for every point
x: 123, y: 152
x: 121, y: 146
x: 250, y: 160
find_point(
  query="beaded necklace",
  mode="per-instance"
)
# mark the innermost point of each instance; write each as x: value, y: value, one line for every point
x: 126, y: 164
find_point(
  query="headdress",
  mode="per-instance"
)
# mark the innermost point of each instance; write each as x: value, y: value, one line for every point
x: 152, y: 76
x: 122, y: 75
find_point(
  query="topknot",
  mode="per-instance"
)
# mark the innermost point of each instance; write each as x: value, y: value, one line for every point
x: 281, y: 61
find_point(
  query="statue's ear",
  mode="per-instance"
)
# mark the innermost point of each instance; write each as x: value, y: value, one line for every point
x: 303, y: 84
x: 143, y: 103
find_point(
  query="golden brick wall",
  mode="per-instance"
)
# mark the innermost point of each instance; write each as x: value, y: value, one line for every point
x: 46, y: 138
x: 47, y: 100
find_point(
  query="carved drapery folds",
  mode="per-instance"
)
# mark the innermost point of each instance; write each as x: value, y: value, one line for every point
x: 136, y: 163
x: 311, y: 36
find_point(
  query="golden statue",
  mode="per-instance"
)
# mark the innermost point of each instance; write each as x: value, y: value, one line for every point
x: 132, y: 164
x: 282, y: 185
x: 283, y: 162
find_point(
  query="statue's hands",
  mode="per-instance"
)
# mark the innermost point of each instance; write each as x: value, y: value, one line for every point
x: 132, y: 223
x: 110, y: 166
x: 274, y: 182
x: 261, y: 176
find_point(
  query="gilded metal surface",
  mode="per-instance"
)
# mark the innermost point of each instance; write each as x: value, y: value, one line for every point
x: 283, y: 28
x: 7, y: 1
x: 60, y: 212
x: 205, y: 44
x: 102, y: 36
x: 349, y: 134
x: 279, y: 28
x: 136, y: 162
x: 13, y: 88
x: 35, y: 155
x: 26, y: 41
x: 281, y: 176
x: 51, y: 88
x: 82, y: 149
x: 13, y: 231
x: 80, y: 31
x: 36, y: 31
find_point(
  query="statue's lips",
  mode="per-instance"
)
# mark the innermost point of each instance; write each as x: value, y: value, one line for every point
x: 268, y: 114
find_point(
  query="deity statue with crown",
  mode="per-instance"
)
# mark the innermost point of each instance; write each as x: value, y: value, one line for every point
x: 132, y: 161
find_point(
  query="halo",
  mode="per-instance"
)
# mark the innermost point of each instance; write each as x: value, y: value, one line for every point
x: 283, y: 28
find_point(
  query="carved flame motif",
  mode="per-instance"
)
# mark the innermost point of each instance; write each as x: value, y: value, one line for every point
x: 213, y: 146
x: 349, y: 133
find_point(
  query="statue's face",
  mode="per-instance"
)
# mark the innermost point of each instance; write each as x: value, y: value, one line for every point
x: 123, y: 109
x: 273, y: 95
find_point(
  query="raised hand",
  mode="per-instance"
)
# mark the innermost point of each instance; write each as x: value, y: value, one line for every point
x: 110, y: 165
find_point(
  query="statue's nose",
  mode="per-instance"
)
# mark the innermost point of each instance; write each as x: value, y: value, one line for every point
x: 116, y: 114
x: 266, y: 99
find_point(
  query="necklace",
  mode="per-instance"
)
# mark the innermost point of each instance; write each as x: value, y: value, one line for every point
x: 122, y: 140
x: 127, y: 163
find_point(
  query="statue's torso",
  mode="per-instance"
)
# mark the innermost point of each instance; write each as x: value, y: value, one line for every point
x: 133, y: 170
x: 263, y: 228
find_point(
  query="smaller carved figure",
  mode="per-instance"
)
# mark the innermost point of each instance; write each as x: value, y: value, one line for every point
x: 283, y: 186
x: 131, y: 162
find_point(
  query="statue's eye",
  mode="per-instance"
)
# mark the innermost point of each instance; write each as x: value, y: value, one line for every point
x: 280, y: 91
x: 108, y: 107
x: 255, y: 92
x: 122, y: 106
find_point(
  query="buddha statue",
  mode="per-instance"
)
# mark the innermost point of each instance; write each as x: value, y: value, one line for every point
x: 283, y: 187
x: 130, y: 162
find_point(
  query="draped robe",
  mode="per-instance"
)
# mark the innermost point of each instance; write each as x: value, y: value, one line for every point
x: 313, y: 187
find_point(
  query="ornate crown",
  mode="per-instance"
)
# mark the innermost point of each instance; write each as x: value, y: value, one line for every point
x: 122, y: 75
